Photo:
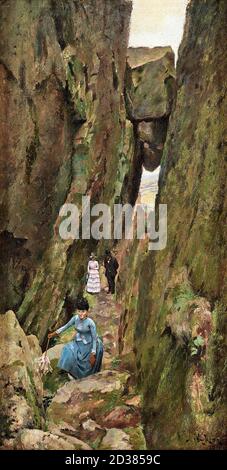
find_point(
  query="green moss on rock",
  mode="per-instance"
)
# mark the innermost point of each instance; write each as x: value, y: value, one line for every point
x: 137, y: 439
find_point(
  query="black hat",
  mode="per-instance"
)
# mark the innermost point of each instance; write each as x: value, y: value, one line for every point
x: 82, y: 304
x: 107, y: 252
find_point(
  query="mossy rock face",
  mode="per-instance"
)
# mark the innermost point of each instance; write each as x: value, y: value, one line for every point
x: 132, y: 254
x: 77, y: 86
x: 177, y: 329
x: 54, y: 380
x: 136, y: 438
x: 94, y: 141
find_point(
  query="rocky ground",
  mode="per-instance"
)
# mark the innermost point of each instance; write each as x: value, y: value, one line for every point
x: 99, y: 412
x: 103, y: 410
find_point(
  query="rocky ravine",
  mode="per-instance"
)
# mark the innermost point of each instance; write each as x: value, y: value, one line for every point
x: 74, y: 126
x: 77, y: 124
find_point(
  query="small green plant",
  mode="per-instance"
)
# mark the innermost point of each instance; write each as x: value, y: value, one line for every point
x: 183, y: 295
x: 115, y: 362
x: 197, y: 344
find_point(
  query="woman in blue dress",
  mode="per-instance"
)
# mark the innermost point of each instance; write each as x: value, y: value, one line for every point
x: 83, y: 355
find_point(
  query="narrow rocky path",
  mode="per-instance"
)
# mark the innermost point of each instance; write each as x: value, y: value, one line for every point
x: 106, y: 314
x: 101, y: 411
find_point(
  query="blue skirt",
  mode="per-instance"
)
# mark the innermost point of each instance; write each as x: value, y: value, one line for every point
x: 75, y: 358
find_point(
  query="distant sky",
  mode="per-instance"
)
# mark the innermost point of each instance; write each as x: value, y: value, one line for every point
x: 157, y: 23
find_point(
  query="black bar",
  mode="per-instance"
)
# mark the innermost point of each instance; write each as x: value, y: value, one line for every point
x: 101, y: 459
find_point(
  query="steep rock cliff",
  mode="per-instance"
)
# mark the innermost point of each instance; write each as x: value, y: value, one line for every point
x: 177, y: 321
x: 36, y: 135
x: 64, y: 134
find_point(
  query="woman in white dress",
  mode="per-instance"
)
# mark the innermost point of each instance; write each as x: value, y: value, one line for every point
x: 93, y: 282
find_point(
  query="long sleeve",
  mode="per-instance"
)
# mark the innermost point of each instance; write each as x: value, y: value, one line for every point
x: 66, y: 326
x: 94, y: 336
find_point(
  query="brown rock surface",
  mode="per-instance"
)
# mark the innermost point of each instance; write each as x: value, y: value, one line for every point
x: 20, y: 384
x: 173, y: 318
x: 62, y: 93
x: 34, y: 439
